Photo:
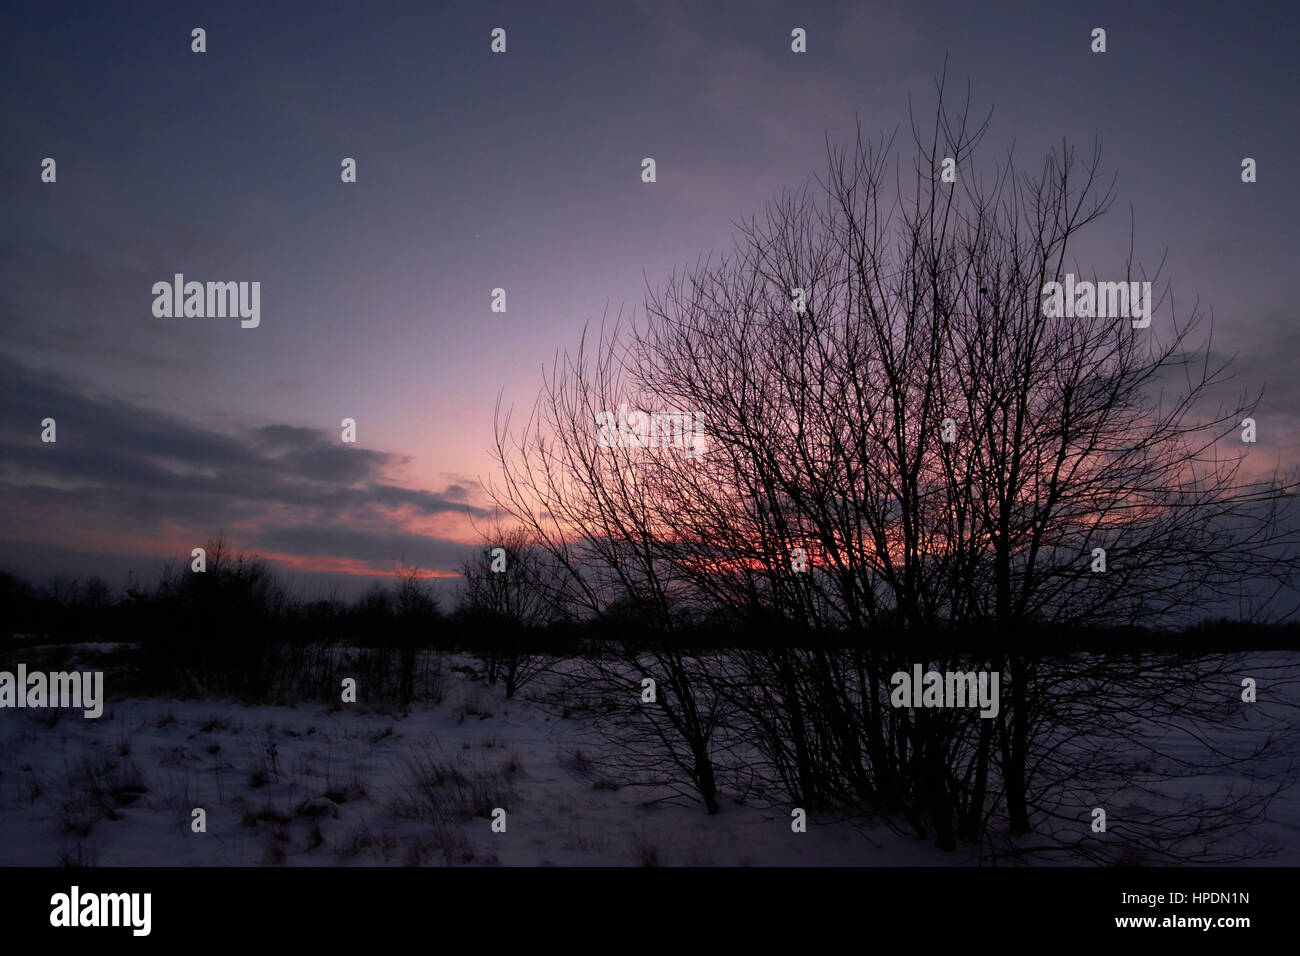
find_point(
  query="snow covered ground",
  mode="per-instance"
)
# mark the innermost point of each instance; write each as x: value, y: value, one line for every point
x: 312, y: 785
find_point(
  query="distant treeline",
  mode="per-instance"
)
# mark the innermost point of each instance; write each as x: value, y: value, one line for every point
x: 740, y: 704
x: 238, y: 606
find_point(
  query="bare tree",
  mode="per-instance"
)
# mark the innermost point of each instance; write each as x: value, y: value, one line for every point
x: 907, y: 450
x: 505, y: 598
x: 416, y: 609
x: 591, y: 508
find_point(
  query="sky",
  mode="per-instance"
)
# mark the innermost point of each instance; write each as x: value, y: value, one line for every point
x: 519, y: 171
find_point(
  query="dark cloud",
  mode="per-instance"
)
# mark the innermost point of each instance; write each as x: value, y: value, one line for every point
x: 375, y: 548
x: 118, y: 468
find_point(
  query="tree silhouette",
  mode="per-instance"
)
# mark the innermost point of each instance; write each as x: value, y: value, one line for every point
x: 504, y: 598
x: 906, y: 449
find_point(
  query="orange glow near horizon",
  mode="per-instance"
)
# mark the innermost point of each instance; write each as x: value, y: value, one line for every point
x: 324, y: 564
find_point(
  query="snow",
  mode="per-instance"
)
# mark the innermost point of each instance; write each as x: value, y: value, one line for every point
x: 316, y: 785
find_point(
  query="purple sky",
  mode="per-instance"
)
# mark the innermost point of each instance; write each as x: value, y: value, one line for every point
x: 520, y: 171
